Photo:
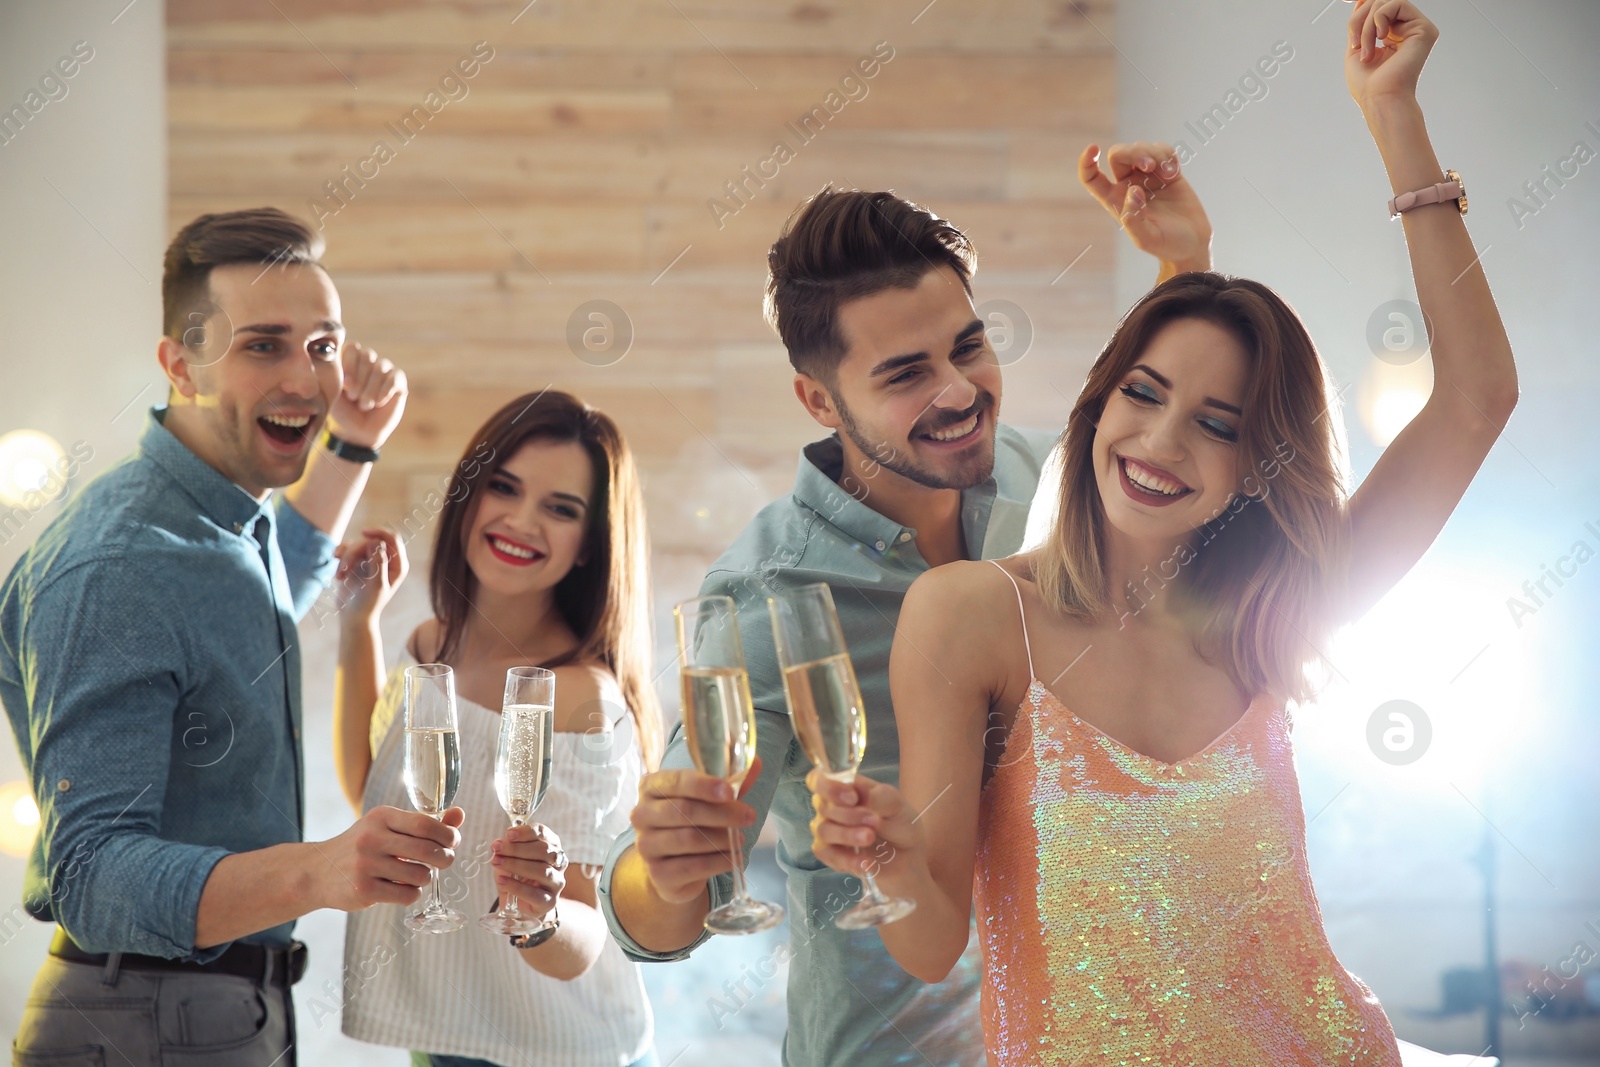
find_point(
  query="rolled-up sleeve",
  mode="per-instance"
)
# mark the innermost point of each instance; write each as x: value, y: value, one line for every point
x: 102, y: 659
x: 308, y: 559
x: 676, y: 756
x: 773, y: 735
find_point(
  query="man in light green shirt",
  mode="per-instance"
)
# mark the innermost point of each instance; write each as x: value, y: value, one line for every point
x: 871, y: 295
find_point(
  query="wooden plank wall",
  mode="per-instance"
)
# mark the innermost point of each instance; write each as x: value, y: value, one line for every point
x: 580, y: 163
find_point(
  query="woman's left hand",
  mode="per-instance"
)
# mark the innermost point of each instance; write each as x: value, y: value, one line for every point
x: 530, y: 865
x: 1376, y: 73
x: 369, y: 571
x: 865, y: 825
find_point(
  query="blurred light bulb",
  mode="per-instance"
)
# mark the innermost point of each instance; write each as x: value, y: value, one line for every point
x: 29, y: 474
x: 27, y: 459
x: 20, y: 822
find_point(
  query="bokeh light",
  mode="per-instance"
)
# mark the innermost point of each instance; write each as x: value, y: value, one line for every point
x: 19, y: 819
x: 30, y: 466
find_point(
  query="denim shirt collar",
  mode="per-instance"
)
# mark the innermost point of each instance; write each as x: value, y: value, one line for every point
x: 821, y: 462
x: 222, y: 501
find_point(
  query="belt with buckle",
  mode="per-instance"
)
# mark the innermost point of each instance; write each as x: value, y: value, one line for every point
x: 276, y: 965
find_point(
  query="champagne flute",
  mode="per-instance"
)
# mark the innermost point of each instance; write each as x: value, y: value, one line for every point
x: 522, y: 771
x: 826, y: 709
x: 433, y: 770
x: 720, y: 726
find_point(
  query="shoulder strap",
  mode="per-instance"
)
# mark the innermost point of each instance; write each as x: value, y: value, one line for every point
x: 1027, y: 646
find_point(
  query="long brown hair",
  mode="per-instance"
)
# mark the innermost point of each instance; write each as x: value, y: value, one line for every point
x: 1258, y: 584
x: 606, y: 600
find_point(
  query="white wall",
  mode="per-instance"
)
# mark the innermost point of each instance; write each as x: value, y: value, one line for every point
x: 84, y: 192
x: 84, y: 189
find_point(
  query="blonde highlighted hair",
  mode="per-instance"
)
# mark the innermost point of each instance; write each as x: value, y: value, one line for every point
x: 1259, y: 583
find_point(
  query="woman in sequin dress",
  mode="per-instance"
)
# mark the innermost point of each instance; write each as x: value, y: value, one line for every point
x: 1093, y: 735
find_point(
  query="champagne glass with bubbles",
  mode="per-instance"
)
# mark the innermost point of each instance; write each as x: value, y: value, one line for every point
x: 522, y: 771
x: 433, y: 770
x: 720, y: 727
x: 829, y: 718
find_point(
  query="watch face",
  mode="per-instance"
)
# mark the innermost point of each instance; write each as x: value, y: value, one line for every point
x: 1461, y: 201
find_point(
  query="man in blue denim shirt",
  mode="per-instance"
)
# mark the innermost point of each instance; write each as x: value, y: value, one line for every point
x: 150, y: 669
x: 872, y: 297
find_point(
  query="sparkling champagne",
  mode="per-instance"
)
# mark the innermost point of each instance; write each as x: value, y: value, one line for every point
x: 433, y: 769
x: 522, y: 759
x: 829, y: 720
x: 719, y: 721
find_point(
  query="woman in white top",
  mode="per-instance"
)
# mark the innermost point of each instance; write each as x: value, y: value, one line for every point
x: 539, y: 559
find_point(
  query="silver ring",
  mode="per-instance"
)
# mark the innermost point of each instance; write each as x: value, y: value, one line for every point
x: 561, y: 855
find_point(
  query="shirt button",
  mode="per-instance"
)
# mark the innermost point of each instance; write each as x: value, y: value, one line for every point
x: 238, y: 527
x: 64, y: 785
x: 881, y: 546
x: 905, y: 537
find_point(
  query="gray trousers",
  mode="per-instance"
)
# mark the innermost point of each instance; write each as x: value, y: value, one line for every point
x: 85, y: 1015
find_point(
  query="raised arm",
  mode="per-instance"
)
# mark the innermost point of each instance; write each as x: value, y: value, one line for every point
x: 1412, y: 489
x: 921, y: 840
x: 1153, y: 203
x: 370, y: 403
x: 369, y: 571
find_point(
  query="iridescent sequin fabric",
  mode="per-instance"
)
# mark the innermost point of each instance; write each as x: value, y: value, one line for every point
x: 1138, y: 912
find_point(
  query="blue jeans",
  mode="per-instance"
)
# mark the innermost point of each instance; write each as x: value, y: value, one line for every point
x: 433, y: 1059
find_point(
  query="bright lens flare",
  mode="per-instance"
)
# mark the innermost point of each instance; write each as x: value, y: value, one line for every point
x: 1391, y: 410
x: 1441, y: 640
x: 1391, y: 395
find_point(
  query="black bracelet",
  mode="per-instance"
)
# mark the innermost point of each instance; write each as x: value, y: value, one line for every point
x: 345, y: 450
x: 538, y: 937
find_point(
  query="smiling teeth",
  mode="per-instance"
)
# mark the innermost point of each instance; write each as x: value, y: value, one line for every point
x: 510, y: 549
x: 956, y: 431
x: 1149, y: 481
x: 296, y: 422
